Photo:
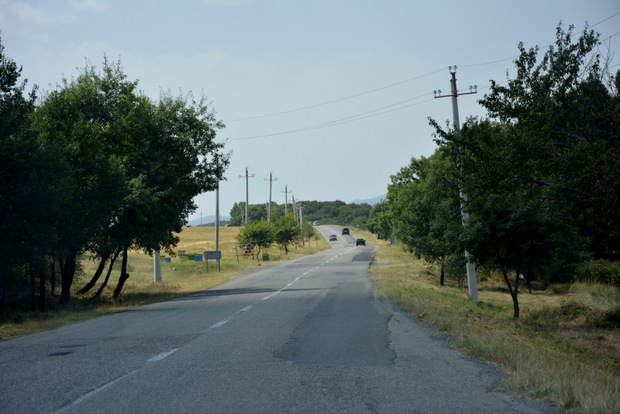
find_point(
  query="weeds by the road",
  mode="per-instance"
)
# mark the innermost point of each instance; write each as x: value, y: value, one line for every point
x: 180, y: 277
x: 564, y: 349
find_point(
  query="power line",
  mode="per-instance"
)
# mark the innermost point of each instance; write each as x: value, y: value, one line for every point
x: 346, y: 120
x: 374, y: 112
x: 302, y: 108
x: 337, y: 100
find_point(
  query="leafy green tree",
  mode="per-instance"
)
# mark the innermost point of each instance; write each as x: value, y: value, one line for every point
x: 256, y: 212
x: 260, y: 233
x: 424, y: 208
x: 286, y: 230
x: 566, y: 111
x: 379, y: 220
x: 307, y: 231
x: 237, y: 214
x: 26, y: 176
x: 542, y: 182
x: 73, y: 123
x: 133, y: 166
x: 508, y: 228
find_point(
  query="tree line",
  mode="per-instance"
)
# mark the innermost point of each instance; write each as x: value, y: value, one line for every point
x: 284, y: 230
x: 539, y: 177
x: 325, y: 212
x: 96, y: 166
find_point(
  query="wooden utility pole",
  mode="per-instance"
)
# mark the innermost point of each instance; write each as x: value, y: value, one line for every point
x: 270, y: 183
x: 286, y: 200
x: 454, y: 94
x: 246, y: 192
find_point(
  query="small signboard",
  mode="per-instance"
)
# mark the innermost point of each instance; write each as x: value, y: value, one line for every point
x: 214, y: 255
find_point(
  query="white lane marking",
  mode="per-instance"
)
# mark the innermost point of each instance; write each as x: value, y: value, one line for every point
x: 217, y: 325
x: 162, y: 355
x: 93, y: 392
x: 247, y: 308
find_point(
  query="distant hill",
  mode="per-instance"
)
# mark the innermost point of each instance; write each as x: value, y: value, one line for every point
x: 207, y: 220
x: 371, y: 201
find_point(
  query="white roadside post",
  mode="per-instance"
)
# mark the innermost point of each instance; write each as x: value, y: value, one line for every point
x: 156, y: 267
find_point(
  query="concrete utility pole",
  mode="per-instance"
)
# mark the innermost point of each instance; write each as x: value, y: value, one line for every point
x: 301, y: 226
x: 471, y: 270
x: 246, y: 192
x: 270, y: 182
x: 217, y: 217
x: 156, y: 267
x: 286, y: 200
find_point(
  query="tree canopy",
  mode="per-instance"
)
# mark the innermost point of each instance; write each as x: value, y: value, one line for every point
x: 108, y: 170
x: 541, y: 174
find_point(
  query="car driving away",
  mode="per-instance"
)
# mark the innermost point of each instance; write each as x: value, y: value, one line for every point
x: 360, y: 242
x: 333, y: 237
x: 345, y: 231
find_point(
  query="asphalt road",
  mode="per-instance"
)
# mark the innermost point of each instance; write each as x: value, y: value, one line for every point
x: 307, y: 336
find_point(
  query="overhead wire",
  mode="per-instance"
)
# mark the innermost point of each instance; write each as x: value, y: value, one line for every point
x: 338, y: 99
x: 374, y: 112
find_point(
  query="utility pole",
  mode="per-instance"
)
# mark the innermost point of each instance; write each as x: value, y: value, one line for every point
x: 286, y: 200
x: 156, y: 267
x: 270, y: 182
x: 217, y: 217
x: 301, y: 226
x: 246, y: 192
x: 471, y: 270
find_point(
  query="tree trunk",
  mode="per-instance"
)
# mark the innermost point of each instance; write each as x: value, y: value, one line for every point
x: 96, y: 276
x: 107, y: 277
x: 67, y: 273
x: 33, y: 299
x: 4, y: 285
x: 53, y: 278
x: 123, y: 277
x: 42, y: 287
x: 442, y: 276
x: 513, y: 293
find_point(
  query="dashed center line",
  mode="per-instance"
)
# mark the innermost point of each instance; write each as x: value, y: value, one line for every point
x: 163, y: 355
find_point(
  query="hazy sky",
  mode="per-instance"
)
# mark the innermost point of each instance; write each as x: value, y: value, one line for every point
x: 331, y: 96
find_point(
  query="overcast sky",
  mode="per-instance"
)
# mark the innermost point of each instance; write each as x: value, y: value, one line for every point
x: 331, y: 96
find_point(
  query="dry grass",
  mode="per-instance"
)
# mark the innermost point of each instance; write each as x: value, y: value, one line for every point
x: 180, y: 277
x: 565, y: 348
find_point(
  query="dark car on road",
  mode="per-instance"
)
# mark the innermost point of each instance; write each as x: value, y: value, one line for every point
x: 333, y: 237
x: 345, y: 231
x: 361, y: 242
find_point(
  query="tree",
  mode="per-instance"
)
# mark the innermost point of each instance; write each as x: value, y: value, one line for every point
x: 424, y: 208
x: 27, y: 174
x: 508, y: 227
x: 568, y: 134
x: 133, y: 167
x: 379, y: 220
x: 542, y: 180
x: 285, y: 229
x: 259, y: 233
x: 74, y: 123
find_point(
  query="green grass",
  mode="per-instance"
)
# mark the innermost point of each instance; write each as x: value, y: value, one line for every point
x: 180, y: 277
x: 564, y: 349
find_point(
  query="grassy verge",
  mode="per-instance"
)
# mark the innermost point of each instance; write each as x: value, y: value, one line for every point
x: 180, y: 277
x: 565, y: 348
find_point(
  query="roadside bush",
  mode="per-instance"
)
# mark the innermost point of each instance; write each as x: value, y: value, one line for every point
x: 600, y: 271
